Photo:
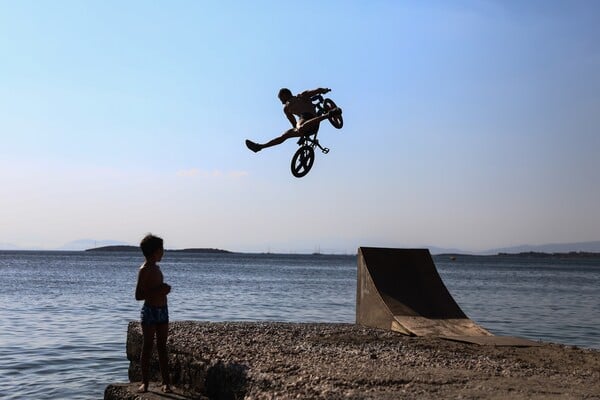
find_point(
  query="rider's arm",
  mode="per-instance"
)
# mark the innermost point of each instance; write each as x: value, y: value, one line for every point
x: 314, y: 92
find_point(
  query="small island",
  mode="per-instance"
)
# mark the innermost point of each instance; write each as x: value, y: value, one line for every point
x: 536, y: 254
x: 527, y: 254
x: 114, y: 248
x: 201, y: 250
x: 121, y: 248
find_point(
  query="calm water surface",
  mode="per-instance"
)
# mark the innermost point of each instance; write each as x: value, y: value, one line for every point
x: 65, y: 314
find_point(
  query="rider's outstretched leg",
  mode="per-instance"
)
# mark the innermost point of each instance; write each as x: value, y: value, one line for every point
x: 256, y: 147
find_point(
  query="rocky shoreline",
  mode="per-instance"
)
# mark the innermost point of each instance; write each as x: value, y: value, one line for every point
x: 270, y: 360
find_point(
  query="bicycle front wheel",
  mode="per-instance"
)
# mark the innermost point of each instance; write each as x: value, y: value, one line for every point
x: 302, y: 161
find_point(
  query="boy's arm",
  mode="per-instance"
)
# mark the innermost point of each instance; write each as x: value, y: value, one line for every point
x: 139, y: 288
x: 314, y: 92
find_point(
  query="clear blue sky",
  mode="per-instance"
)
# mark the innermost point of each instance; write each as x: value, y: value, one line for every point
x: 468, y: 124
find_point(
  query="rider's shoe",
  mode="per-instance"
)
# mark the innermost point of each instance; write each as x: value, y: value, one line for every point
x: 255, y: 147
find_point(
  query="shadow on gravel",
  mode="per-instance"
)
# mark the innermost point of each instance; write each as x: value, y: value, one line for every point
x: 226, y: 381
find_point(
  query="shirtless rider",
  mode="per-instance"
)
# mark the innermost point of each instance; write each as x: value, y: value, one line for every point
x: 302, y: 106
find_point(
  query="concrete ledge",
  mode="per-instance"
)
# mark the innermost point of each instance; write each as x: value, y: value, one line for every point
x: 345, y: 361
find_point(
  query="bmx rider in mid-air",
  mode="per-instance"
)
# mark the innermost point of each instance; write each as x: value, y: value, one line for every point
x: 302, y: 106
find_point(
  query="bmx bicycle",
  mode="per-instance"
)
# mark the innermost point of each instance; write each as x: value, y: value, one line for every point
x: 304, y: 158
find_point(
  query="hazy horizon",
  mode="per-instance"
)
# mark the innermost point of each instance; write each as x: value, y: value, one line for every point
x: 467, y: 125
x: 86, y: 244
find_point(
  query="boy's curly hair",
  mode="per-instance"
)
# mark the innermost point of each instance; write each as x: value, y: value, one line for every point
x: 150, y: 244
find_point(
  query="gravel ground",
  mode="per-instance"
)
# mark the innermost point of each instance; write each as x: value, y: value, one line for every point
x: 345, y: 361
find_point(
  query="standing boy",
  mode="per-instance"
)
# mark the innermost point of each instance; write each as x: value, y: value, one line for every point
x: 155, y: 314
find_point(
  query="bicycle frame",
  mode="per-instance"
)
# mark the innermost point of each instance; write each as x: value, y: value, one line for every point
x: 318, y: 101
x: 312, y: 141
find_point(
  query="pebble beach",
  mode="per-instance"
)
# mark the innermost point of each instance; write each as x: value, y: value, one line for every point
x: 270, y: 360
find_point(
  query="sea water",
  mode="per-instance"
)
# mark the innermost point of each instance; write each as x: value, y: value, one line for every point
x: 64, y: 315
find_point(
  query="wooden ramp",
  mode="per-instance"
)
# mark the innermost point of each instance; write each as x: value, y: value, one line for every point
x: 401, y: 290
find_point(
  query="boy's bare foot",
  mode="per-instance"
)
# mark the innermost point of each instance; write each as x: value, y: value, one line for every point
x: 143, y: 388
x: 167, y: 389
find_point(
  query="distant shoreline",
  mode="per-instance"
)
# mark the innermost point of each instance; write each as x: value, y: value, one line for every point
x: 527, y: 254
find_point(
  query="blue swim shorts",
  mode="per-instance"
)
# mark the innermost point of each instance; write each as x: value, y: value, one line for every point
x: 151, y: 315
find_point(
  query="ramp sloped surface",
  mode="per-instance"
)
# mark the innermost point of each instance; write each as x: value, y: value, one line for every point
x: 401, y: 290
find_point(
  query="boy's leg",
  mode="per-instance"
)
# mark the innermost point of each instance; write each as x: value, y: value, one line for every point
x: 312, y: 124
x: 148, y: 332
x: 162, y: 333
x: 278, y: 140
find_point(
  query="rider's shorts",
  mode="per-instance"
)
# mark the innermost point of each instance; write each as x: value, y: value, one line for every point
x: 151, y: 315
x: 305, y: 117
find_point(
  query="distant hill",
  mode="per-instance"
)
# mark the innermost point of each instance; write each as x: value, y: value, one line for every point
x: 84, y: 244
x: 441, y: 250
x: 202, y: 250
x: 137, y: 249
x: 116, y: 248
x: 9, y: 246
x: 580, y: 247
x: 571, y: 254
x: 527, y: 254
